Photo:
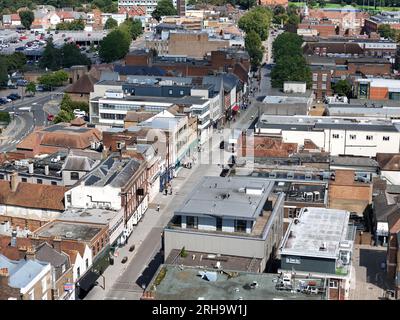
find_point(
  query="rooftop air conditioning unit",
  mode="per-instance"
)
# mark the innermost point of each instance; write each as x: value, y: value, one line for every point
x: 317, y: 195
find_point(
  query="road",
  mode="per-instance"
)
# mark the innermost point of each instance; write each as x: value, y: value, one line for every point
x: 124, y: 282
x: 28, y: 113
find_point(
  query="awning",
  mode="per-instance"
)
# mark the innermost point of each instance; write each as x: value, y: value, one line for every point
x: 235, y: 107
x: 88, y: 280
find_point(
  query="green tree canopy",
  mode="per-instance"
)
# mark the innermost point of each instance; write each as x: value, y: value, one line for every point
x: 73, y: 25
x: 110, y: 24
x: 287, y: 43
x: 53, y: 79
x: 3, y: 71
x: 258, y: 19
x: 72, y: 56
x: 342, y: 87
x: 115, y: 45
x: 254, y: 48
x: 386, y: 31
x: 51, y: 57
x: 164, y: 8
x: 15, y: 61
x: 290, y: 68
x: 27, y: 18
x: 31, y: 87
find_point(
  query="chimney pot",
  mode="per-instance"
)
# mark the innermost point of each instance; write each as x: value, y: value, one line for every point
x: 46, y: 169
x: 4, y: 272
x: 30, y: 168
x: 31, y: 253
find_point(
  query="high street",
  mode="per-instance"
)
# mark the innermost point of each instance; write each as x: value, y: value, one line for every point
x: 125, y: 281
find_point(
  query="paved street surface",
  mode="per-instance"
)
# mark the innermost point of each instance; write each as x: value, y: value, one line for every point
x: 28, y: 113
x: 124, y: 281
x: 369, y: 279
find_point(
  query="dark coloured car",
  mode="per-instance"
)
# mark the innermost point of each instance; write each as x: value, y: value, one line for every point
x: 124, y: 260
x: 2, y: 101
x: 224, y: 172
x: 15, y: 95
x: 13, y: 98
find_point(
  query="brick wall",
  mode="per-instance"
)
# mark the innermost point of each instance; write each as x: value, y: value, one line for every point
x: 31, y: 224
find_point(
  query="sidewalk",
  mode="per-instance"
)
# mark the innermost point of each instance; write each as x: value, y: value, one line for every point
x: 151, y: 223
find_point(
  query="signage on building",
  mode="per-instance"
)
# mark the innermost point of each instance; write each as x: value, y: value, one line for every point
x: 68, y: 286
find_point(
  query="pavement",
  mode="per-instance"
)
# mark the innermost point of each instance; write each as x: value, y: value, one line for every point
x: 369, y: 281
x: 125, y: 281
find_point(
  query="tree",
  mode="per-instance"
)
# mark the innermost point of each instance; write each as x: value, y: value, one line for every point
x: 63, y: 116
x: 16, y: 61
x: 51, y: 57
x: 164, y: 8
x: 322, y: 3
x: 54, y: 79
x: 254, y: 48
x: 133, y: 27
x: 290, y: 68
x: 71, y: 56
x: 3, y: 71
x: 247, y: 4
x: 75, y: 25
x: 257, y: 19
x: 110, y: 24
x: 287, y: 43
x: 342, y: 87
x: 31, y: 87
x: 386, y: 31
x: 115, y: 45
x: 27, y: 18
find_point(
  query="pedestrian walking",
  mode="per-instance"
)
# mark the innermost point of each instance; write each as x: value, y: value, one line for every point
x: 158, y: 208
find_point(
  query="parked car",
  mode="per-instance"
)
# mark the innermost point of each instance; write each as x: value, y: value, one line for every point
x: 3, y: 100
x: 22, y: 83
x: 50, y: 117
x: 16, y: 96
x: 11, y: 97
x: 79, y: 113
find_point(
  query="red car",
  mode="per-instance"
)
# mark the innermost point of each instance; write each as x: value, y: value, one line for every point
x: 50, y: 117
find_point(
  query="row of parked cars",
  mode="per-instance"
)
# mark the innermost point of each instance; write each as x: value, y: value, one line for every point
x: 9, y: 98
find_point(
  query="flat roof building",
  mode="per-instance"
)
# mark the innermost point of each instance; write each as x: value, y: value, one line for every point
x: 320, y: 242
x: 237, y: 216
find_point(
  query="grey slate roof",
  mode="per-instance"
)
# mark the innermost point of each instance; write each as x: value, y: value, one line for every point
x: 78, y: 163
x: 21, y: 272
x: 113, y: 172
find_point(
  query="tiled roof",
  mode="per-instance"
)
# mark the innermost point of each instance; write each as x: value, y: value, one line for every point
x: 133, y: 11
x: 29, y: 195
x: 10, y: 252
x: 388, y: 161
x: 82, y: 85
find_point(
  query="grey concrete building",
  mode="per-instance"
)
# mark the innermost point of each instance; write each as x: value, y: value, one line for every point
x: 237, y: 216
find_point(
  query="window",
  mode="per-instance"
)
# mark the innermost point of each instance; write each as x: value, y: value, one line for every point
x: 170, y: 92
x: 44, y: 284
x: 369, y: 137
x: 333, y: 284
x: 78, y: 272
x: 324, y: 76
x: 24, y: 179
x: 120, y: 116
x: 69, y: 198
x: 315, y: 76
x: 87, y: 263
x: 323, y: 86
x: 219, y: 223
x: 240, y: 225
x: 335, y: 136
x: 39, y: 181
x: 386, y: 138
x: 74, y: 175
x: 191, y: 222
x: 314, y: 86
x: 353, y: 137
x: 181, y: 92
x: 54, y: 183
x: 2, y: 176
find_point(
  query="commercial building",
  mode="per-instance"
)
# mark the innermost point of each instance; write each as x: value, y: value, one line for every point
x: 391, y: 18
x: 319, y: 243
x: 191, y: 44
x: 116, y: 184
x: 227, y: 284
x: 377, y: 89
x: 339, y: 136
x: 236, y: 216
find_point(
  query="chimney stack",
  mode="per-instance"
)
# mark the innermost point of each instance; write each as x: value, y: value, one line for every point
x: 31, y: 253
x: 4, y: 274
x: 22, y: 252
x: 57, y: 244
x: 30, y: 168
x: 46, y: 169
x: 14, y: 181
x: 35, y: 240
x: 13, y: 238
